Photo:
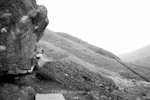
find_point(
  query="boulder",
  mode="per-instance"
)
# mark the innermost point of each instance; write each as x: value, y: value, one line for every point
x: 22, y: 23
x: 13, y: 92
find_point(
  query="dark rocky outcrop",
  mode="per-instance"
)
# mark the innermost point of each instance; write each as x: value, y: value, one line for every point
x: 22, y: 23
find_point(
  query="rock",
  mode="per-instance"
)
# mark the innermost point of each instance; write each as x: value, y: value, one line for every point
x: 2, y: 48
x: 38, y: 89
x: 138, y: 99
x: 27, y: 79
x: 3, y: 30
x: 74, y: 98
x: 103, y: 98
x: 13, y: 92
x: 147, y: 99
x: 27, y: 93
x: 22, y: 23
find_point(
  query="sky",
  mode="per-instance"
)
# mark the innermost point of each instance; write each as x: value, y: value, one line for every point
x: 119, y: 26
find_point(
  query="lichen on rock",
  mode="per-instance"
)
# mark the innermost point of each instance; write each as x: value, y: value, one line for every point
x: 22, y: 23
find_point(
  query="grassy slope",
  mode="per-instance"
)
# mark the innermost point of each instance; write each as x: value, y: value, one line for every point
x: 89, y: 46
x: 140, y: 60
x: 136, y: 55
x: 142, y: 66
x: 145, y: 63
x: 62, y: 46
x: 67, y: 49
x: 139, y: 70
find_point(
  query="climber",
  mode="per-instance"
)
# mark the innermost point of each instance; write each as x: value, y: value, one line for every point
x: 34, y: 65
x: 39, y: 54
x: 35, y: 62
x: 40, y: 58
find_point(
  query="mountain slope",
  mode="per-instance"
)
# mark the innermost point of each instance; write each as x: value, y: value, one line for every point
x: 136, y: 55
x: 75, y: 65
x: 144, y: 63
x: 66, y: 46
x: 89, y: 46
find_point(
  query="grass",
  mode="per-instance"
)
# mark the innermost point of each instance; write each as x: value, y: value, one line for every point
x: 145, y: 63
x: 89, y: 46
x: 82, y: 50
x: 73, y: 53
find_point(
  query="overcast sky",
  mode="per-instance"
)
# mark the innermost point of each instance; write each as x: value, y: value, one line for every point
x: 119, y: 26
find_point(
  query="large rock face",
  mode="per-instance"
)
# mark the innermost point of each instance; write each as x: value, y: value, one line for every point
x: 22, y: 23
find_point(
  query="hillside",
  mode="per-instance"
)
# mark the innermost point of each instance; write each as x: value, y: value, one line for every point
x: 136, y: 55
x: 59, y: 63
x: 89, y: 46
x: 75, y: 63
x: 63, y: 46
x: 144, y: 63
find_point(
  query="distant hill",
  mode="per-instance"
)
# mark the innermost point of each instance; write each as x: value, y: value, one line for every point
x: 136, y: 55
x: 64, y: 47
x: 145, y: 62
